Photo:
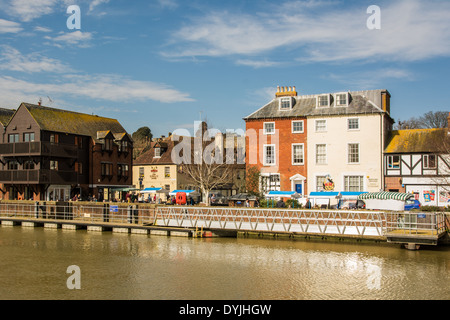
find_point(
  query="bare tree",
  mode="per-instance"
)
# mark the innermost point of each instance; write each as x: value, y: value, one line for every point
x: 436, y: 119
x: 429, y: 120
x: 207, y: 162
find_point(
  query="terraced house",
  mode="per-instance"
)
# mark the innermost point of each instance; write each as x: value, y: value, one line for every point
x: 54, y: 154
x: 322, y: 142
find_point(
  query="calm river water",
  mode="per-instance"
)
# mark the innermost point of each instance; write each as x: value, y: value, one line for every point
x: 34, y: 262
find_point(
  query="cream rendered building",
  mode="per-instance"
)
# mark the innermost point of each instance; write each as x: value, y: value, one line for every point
x: 346, y: 136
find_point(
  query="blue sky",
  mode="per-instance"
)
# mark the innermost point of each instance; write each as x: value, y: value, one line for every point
x: 165, y: 63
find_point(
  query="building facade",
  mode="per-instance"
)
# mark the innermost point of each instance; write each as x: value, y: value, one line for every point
x: 155, y: 168
x: 54, y: 154
x: 324, y: 142
x: 418, y: 161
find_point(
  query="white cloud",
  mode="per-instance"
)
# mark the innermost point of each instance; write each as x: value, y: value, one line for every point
x: 75, y: 38
x: 370, y: 79
x: 27, y: 10
x: 257, y: 63
x: 9, y: 26
x: 94, y: 4
x: 42, y: 29
x: 320, y: 31
x: 12, y: 59
x: 106, y: 87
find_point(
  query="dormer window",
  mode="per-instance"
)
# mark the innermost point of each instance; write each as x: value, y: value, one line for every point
x: 342, y: 99
x: 157, y: 152
x: 108, y: 145
x: 323, y: 101
x: 286, y: 103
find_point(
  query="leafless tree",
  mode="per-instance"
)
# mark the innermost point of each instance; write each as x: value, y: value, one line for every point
x: 208, y: 162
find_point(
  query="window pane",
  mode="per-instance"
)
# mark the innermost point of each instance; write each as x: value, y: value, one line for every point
x: 353, y: 124
x: 321, y: 154
x: 285, y: 103
x: 353, y: 153
x: 269, y: 127
x: 297, y: 154
x: 297, y: 126
x: 269, y: 155
x: 321, y: 125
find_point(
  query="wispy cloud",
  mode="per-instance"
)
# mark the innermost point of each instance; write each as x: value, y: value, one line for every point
x: 9, y: 26
x: 372, y: 78
x: 257, y: 63
x: 27, y: 10
x: 42, y: 29
x: 320, y: 31
x: 75, y: 38
x: 11, y: 59
x: 107, y: 87
x: 94, y: 4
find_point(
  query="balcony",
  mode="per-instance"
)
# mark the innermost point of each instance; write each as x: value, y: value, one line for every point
x: 38, y: 148
x: 42, y: 176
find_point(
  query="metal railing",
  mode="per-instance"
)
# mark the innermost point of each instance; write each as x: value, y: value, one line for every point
x: 80, y: 212
x: 416, y: 223
x: 362, y: 223
x: 325, y: 222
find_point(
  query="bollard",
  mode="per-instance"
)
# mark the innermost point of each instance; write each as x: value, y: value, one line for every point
x: 36, y: 209
x: 129, y: 214
x: 105, y: 212
x: 136, y: 214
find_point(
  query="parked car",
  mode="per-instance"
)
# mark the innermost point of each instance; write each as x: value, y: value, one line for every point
x: 351, y: 204
x: 412, y: 204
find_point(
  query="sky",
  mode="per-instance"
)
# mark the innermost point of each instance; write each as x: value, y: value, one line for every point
x: 167, y: 63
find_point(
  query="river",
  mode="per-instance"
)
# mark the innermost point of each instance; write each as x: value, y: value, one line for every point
x: 34, y: 265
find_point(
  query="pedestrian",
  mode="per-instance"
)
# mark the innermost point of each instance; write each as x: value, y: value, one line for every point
x: 281, y: 204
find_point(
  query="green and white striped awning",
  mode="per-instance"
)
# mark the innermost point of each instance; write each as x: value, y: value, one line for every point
x: 386, y: 196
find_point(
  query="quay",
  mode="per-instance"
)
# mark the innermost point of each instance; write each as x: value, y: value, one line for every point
x: 411, y: 229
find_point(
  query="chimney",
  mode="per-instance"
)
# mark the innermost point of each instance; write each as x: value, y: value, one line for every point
x: 286, y: 92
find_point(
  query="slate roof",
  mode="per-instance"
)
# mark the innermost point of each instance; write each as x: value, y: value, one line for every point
x: 360, y: 102
x: 58, y: 120
x: 417, y: 141
x: 6, y: 115
x: 148, y: 157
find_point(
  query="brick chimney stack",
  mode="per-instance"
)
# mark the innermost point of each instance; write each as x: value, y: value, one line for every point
x: 286, y: 92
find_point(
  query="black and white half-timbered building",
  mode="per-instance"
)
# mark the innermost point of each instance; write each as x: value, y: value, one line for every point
x: 418, y: 161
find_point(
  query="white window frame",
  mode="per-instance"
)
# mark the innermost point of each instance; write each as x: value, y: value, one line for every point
x: 303, y: 154
x: 328, y: 96
x: 326, y: 154
x: 265, y: 155
x: 348, y: 153
x: 265, y: 130
x: 157, y: 152
x: 336, y: 100
x: 353, y: 129
x: 325, y: 127
x: 298, y: 121
x: 281, y: 103
x: 391, y: 163
x: 360, y: 182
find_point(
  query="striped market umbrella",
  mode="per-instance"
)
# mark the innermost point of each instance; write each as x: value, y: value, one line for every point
x: 385, y: 195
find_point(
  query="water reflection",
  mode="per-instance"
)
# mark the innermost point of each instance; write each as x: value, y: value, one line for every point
x: 121, y: 266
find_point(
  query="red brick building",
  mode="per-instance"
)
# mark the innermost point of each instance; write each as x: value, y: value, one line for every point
x: 276, y: 144
x: 54, y: 154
